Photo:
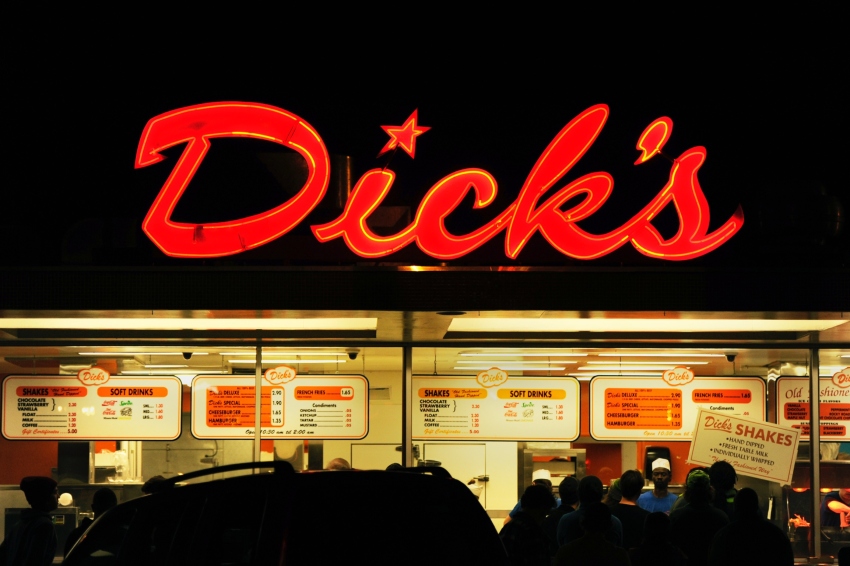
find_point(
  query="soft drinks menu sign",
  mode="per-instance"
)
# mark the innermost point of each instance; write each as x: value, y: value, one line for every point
x: 292, y: 406
x: 494, y: 406
x: 91, y: 406
x: 623, y: 408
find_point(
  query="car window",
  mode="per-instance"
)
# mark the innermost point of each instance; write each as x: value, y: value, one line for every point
x: 102, y: 543
x: 148, y: 530
x: 386, y: 518
x: 229, y: 530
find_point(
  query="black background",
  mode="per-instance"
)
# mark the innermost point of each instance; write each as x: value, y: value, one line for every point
x: 765, y: 94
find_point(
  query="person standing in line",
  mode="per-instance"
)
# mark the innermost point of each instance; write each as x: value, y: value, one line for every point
x: 568, y: 490
x: 569, y: 527
x: 103, y: 500
x: 631, y: 516
x: 523, y: 536
x: 723, y: 480
x: 693, y: 527
x: 656, y: 548
x: 659, y: 499
x: 593, y: 549
x: 680, y: 501
x: 339, y: 464
x: 538, y: 477
x: 750, y: 539
x: 32, y: 541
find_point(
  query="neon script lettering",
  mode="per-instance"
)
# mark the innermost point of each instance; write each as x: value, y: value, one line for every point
x: 197, y: 125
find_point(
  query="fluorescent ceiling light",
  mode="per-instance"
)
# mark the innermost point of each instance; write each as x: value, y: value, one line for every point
x: 526, y: 354
x: 588, y: 375
x: 512, y: 367
x: 664, y: 355
x: 524, y: 362
x: 193, y: 323
x: 286, y: 361
x: 283, y: 352
x: 130, y: 354
x: 650, y: 363
x: 518, y: 325
x: 625, y: 368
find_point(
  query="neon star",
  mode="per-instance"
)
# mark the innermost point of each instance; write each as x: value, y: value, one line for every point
x: 404, y: 135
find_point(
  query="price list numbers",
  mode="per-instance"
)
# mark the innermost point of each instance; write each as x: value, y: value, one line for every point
x: 327, y: 411
x: 72, y: 418
x: 153, y: 411
x: 233, y: 405
x: 48, y: 411
x: 552, y: 412
x: 475, y: 419
x: 738, y: 396
x: 276, y: 407
x: 654, y: 408
x: 533, y: 405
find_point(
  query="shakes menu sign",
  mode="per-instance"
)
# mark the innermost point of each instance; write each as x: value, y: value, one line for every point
x: 494, y: 406
x: 91, y: 406
x: 756, y: 449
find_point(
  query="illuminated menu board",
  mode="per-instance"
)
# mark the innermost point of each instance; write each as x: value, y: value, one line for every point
x: 306, y: 406
x: 493, y: 406
x: 658, y: 408
x: 65, y: 408
x: 792, y: 407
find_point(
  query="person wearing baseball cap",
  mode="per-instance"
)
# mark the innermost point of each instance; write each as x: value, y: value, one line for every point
x: 693, y: 526
x: 32, y: 541
x: 659, y: 499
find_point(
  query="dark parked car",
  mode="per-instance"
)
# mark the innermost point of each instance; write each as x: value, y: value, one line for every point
x: 416, y: 516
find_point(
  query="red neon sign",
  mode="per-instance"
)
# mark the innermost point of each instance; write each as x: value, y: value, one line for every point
x: 197, y: 125
x: 404, y: 136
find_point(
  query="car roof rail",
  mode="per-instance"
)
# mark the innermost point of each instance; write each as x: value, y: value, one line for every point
x: 437, y: 471
x: 281, y: 467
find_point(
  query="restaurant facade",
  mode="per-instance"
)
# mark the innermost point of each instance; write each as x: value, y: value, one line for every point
x: 579, y: 303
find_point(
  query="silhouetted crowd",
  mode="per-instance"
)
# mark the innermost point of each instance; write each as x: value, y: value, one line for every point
x: 710, y: 524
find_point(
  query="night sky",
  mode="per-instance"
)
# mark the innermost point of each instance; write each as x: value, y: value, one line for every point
x: 767, y: 101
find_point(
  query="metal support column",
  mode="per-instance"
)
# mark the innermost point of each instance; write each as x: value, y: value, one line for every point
x: 407, y: 407
x: 258, y: 401
x: 814, y: 440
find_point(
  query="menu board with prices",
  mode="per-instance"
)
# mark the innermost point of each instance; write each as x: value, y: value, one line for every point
x: 307, y: 406
x: 509, y: 408
x: 793, y: 408
x: 623, y: 408
x: 64, y: 408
